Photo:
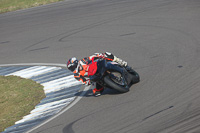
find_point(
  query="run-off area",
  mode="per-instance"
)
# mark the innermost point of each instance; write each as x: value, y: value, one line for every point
x: 60, y: 88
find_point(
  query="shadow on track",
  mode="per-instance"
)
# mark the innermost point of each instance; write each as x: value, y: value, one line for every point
x: 88, y: 93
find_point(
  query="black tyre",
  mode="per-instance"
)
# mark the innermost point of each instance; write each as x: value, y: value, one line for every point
x: 135, y: 78
x: 115, y: 85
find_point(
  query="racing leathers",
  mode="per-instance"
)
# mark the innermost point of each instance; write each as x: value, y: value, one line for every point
x: 81, y: 71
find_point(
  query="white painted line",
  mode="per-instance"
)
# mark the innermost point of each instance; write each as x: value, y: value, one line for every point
x: 33, y: 71
x: 48, y: 106
x: 49, y: 89
x: 42, y: 113
x: 53, y: 103
x: 33, y: 64
x: 60, y: 80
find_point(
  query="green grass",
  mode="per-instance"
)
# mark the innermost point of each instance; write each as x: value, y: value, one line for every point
x: 18, y: 97
x: 12, y: 5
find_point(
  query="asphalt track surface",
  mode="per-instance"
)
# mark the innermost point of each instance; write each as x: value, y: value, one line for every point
x: 159, y: 38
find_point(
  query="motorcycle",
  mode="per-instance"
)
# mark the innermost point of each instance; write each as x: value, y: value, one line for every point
x: 112, y: 75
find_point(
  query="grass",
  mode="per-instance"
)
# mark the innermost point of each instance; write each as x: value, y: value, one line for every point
x: 18, y: 97
x: 12, y: 5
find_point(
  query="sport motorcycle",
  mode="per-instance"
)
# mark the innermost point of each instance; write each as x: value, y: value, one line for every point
x: 112, y: 75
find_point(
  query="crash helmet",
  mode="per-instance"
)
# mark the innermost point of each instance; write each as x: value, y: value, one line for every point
x: 72, y: 64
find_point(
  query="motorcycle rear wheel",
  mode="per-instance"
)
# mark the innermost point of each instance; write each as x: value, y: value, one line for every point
x: 114, y: 85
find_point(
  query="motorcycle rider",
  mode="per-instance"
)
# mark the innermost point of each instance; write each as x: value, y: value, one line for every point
x: 80, y: 68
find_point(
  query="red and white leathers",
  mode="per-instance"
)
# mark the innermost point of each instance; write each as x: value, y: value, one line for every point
x: 81, y: 72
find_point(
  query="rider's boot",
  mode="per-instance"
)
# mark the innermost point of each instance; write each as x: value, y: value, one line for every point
x: 97, y: 92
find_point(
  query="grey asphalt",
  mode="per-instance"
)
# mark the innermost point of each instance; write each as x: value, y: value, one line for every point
x: 159, y: 38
